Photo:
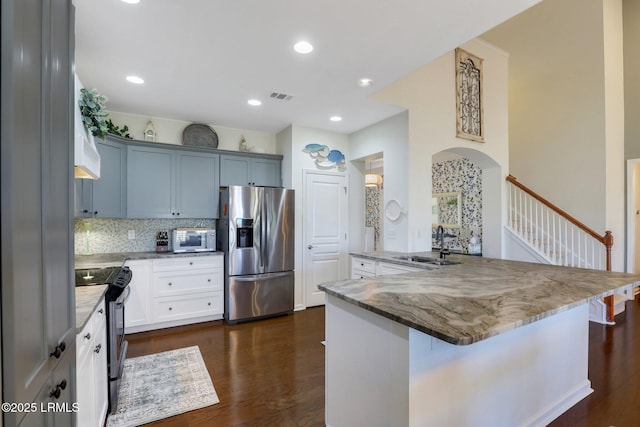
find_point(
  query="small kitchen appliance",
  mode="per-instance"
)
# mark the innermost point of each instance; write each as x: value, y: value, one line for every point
x: 194, y: 240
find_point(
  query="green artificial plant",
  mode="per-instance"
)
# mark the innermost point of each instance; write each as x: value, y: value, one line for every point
x: 92, y: 106
x: 115, y: 130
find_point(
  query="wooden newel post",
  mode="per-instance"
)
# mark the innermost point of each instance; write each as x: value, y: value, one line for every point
x: 609, y: 301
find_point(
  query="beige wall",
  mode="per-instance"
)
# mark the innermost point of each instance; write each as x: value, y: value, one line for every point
x: 170, y: 131
x: 429, y: 95
x: 631, y: 18
x: 566, y: 108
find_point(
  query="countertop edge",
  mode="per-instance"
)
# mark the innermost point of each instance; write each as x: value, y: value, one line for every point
x: 94, y: 295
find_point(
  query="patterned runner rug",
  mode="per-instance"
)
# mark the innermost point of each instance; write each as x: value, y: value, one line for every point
x: 162, y: 385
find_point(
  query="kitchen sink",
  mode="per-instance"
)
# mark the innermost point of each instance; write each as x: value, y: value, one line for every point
x: 426, y: 260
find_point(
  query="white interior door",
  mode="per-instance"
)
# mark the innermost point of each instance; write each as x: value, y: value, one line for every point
x: 325, y: 232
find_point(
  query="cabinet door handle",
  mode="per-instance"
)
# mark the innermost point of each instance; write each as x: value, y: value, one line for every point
x: 310, y: 247
x: 170, y: 308
x: 170, y: 283
x: 209, y: 280
x: 100, y: 311
x: 178, y: 213
x: 56, y: 392
x: 85, y: 210
x: 88, y: 336
x: 209, y: 304
x: 95, y: 213
x: 190, y: 262
x: 57, y: 352
x: 98, y: 347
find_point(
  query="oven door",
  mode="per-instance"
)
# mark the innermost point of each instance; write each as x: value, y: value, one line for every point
x: 117, y: 347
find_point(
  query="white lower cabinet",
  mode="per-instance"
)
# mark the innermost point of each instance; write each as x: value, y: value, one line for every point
x: 91, y: 370
x: 361, y: 268
x: 175, y: 291
x: 385, y: 269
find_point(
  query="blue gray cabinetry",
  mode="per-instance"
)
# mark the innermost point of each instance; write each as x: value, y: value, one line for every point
x: 171, y: 183
x: 105, y: 197
x: 249, y: 170
x: 38, y: 318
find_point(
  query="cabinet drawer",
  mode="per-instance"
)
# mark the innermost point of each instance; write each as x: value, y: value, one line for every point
x: 184, y: 283
x: 363, y: 265
x: 166, y: 309
x: 360, y: 274
x: 185, y: 264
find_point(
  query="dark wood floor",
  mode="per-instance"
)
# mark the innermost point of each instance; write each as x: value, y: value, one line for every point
x: 266, y: 373
x: 271, y: 372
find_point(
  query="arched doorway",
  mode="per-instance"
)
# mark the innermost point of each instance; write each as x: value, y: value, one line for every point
x: 468, y: 171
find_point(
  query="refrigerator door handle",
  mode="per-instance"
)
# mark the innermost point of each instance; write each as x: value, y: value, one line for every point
x: 263, y: 230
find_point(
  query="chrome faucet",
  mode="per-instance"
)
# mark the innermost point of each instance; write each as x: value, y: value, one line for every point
x: 440, y: 237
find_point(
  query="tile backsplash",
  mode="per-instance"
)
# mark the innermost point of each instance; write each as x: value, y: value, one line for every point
x: 101, y: 235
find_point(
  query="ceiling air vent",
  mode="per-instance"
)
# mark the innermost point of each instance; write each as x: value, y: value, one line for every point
x: 281, y: 96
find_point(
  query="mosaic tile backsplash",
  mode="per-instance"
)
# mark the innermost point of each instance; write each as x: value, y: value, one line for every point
x: 373, y: 206
x: 101, y: 235
x: 460, y: 175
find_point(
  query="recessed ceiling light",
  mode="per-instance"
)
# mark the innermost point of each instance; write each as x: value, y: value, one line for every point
x: 303, y: 47
x: 254, y: 102
x: 131, y: 1
x: 364, y: 82
x: 135, y: 79
x: 335, y: 118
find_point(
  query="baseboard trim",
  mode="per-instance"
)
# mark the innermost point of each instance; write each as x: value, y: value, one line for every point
x: 563, y: 405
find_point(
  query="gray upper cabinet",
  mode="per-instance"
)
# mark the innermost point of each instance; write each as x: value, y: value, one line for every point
x: 38, y: 314
x: 105, y: 197
x: 150, y: 182
x: 171, y: 183
x: 247, y: 170
x: 197, y: 185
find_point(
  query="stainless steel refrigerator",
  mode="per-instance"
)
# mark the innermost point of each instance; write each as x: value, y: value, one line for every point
x: 255, y: 231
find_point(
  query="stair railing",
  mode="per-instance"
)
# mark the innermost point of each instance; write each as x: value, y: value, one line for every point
x: 555, y: 235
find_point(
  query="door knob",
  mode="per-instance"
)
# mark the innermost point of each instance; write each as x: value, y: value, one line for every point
x: 310, y: 247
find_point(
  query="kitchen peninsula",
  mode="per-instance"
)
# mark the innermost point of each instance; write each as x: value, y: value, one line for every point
x: 486, y: 342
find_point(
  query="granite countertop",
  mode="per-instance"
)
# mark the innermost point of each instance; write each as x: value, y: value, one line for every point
x: 87, y: 299
x: 116, y: 259
x: 477, y: 299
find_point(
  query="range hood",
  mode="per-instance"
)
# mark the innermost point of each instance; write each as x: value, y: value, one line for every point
x: 86, y: 157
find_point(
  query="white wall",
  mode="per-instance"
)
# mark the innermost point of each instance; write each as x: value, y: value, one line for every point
x: 391, y: 138
x: 429, y: 95
x: 170, y: 131
x: 291, y: 143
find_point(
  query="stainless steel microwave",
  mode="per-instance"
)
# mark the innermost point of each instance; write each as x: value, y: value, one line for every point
x: 194, y: 240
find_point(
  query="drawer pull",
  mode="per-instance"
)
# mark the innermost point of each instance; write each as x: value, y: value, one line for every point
x: 209, y: 280
x: 209, y: 304
x: 170, y: 308
x: 98, y: 347
x: 88, y: 336
x: 190, y: 262
x: 100, y: 311
x: 169, y: 283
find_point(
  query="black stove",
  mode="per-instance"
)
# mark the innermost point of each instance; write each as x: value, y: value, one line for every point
x: 117, y: 279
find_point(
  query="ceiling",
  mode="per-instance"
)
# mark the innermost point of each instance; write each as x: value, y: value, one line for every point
x: 201, y: 60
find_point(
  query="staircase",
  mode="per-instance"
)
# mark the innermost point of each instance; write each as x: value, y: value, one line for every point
x: 555, y: 237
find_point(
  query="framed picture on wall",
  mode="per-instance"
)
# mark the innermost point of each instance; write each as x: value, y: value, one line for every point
x: 469, y: 114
